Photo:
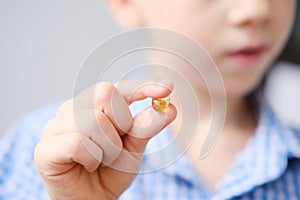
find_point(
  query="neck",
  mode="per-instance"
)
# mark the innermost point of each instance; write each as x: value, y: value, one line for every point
x: 238, y: 127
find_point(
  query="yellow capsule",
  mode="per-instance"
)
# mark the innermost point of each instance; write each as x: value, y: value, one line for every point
x: 160, y: 104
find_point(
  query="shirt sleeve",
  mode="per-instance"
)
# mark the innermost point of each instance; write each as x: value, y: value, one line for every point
x: 19, y: 179
x: 135, y: 191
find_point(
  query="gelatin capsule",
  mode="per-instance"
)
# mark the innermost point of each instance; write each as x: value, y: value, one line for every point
x: 160, y: 104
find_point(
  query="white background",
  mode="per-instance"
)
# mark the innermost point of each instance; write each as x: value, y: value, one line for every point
x: 42, y: 45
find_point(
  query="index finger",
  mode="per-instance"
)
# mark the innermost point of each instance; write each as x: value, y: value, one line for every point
x: 142, y: 88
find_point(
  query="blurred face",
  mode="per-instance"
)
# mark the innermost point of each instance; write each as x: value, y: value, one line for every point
x: 243, y: 37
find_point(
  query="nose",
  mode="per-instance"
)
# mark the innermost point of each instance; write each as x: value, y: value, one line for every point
x: 255, y: 12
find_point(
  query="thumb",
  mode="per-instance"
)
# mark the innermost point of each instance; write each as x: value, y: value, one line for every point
x: 149, y: 122
x: 146, y: 125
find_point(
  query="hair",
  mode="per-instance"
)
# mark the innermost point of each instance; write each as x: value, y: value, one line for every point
x: 292, y: 48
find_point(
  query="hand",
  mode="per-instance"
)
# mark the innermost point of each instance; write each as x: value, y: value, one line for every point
x: 85, y: 149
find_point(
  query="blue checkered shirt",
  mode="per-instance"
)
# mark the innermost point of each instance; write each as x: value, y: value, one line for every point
x: 267, y: 168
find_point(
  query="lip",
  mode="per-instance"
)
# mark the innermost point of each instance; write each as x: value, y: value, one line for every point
x: 247, y: 56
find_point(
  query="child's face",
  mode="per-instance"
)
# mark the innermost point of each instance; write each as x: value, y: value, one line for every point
x: 242, y: 36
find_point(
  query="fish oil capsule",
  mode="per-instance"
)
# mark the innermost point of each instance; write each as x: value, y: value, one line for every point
x: 160, y: 104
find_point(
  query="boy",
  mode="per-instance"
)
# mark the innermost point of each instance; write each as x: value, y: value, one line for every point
x: 256, y: 157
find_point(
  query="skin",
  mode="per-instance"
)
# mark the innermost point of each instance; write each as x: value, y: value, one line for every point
x: 71, y: 171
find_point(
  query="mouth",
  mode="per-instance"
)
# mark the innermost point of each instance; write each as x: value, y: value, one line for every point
x: 247, y: 56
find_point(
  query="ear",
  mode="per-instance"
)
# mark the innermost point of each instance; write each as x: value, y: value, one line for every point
x: 126, y: 12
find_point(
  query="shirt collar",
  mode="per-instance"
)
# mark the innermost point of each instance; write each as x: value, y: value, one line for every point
x: 264, y: 158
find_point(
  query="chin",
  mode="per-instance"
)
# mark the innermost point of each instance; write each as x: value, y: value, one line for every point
x: 241, y: 89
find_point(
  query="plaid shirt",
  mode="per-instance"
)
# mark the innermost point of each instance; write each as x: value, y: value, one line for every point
x: 267, y: 168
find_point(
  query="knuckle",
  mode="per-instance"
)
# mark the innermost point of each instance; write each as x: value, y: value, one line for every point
x: 75, y: 144
x: 104, y: 91
x: 49, y: 128
x: 105, y: 126
x: 49, y: 124
x: 85, y: 121
x: 65, y: 107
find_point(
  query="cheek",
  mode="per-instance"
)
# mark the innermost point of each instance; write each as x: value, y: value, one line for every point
x: 283, y: 19
x: 192, y: 18
x: 277, y: 33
